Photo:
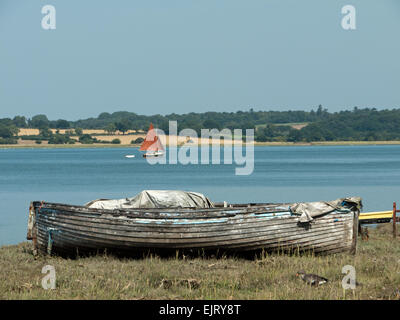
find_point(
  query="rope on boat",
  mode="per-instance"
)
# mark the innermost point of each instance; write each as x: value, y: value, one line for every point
x: 41, y: 205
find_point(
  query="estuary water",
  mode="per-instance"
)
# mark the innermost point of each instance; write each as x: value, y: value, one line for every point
x: 281, y: 174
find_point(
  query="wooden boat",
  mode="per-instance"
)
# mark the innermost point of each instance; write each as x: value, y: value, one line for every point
x: 152, y: 144
x: 65, y: 229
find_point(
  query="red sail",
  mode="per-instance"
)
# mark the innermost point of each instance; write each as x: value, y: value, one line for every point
x: 156, y: 146
x: 151, y: 142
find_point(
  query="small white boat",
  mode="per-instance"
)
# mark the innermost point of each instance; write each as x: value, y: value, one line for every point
x: 153, y: 154
x: 130, y: 156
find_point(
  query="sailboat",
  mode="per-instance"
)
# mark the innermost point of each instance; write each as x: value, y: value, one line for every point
x: 152, y: 144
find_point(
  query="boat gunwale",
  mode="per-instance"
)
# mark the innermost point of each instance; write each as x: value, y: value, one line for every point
x: 179, y: 213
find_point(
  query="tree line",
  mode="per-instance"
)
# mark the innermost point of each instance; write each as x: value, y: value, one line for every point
x: 365, y: 124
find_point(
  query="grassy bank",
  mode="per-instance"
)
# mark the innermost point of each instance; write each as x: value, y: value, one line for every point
x: 327, y: 143
x: 272, y: 276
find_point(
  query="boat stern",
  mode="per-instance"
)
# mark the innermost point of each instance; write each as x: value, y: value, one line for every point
x: 31, y: 234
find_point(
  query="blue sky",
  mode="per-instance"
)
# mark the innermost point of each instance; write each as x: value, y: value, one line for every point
x: 164, y: 56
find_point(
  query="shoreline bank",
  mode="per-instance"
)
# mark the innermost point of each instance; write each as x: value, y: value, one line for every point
x: 256, y: 144
x: 266, y: 276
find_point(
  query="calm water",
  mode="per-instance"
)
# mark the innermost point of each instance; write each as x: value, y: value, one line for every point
x: 281, y: 174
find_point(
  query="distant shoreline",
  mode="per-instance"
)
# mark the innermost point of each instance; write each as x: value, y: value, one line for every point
x: 256, y: 144
x: 328, y: 143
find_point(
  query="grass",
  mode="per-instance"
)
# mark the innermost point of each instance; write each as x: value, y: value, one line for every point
x: 267, y: 276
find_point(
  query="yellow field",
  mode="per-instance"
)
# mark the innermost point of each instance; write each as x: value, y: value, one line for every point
x: 167, y: 140
x: 28, y: 132
x: 125, y: 139
x: 174, y: 140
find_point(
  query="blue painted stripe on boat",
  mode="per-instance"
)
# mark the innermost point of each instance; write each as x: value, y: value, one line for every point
x: 271, y: 215
x: 186, y: 221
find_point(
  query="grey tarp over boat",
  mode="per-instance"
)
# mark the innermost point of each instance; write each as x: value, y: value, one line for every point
x: 306, y: 211
x: 155, y: 199
x: 310, y: 210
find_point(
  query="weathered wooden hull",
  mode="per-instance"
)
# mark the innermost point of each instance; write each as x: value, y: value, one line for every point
x: 58, y: 228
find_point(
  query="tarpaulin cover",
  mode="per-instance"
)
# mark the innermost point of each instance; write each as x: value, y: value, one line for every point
x: 155, y: 199
x: 310, y: 210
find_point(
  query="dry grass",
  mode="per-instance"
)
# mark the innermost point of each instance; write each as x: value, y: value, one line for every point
x: 266, y: 276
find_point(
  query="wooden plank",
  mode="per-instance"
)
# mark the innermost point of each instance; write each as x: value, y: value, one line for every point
x: 322, y: 241
x: 353, y: 249
x: 191, y: 229
x: 229, y: 237
x: 192, y: 224
x: 133, y: 241
x: 238, y: 229
x: 176, y: 213
x: 205, y: 232
x: 152, y: 238
x: 376, y: 215
x: 248, y: 245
